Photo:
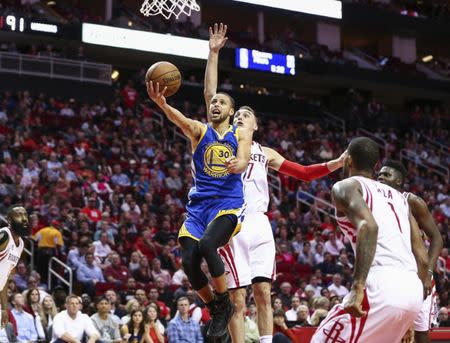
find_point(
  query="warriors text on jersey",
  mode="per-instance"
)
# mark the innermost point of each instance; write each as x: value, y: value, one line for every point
x: 256, y: 190
x: 211, y: 176
x: 9, y: 257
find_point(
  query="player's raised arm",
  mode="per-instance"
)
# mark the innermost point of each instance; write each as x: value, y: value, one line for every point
x: 191, y: 128
x: 238, y: 164
x: 425, y: 221
x: 348, y: 199
x: 217, y: 39
x: 300, y: 172
x: 420, y: 254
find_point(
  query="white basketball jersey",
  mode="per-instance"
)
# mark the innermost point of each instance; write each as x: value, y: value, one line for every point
x: 9, y: 257
x: 391, y: 212
x: 256, y: 187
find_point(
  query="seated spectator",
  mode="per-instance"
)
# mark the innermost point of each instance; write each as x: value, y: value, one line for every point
x: 21, y: 276
x: 291, y: 314
x: 157, y: 272
x: 281, y: 332
x: 47, y: 314
x: 107, y: 324
x: 178, y: 276
x: 141, y: 297
x: 337, y: 287
x: 314, y: 283
x: 133, y: 264
x: 321, y: 303
x: 277, y: 304
x: 284, y: 255
x: 136, y: 330
x: 33, y: 302
x: 116, y: 272
x: 91, y: 213
x: 286, y: 294
x: 318, y: 256
x: 182, y: 328
x: 143, y: 274
x: 71, y: 325
x: 32, y: 283
x: 119, y: 178
x: 145, y: 245
x: 306, y: 256
x: 195, y: 312
x: 165, y: 294
x: 333, y: 245
x: 111, y: 295
x: 88, y: 274
x: 102, y: 247
x: 76, y: 255
x: 181, y: 291
x: 328, y: 267
x: 302, y: 316
x: 130, y: 290
x: 164, y: 310
x: 167, y: 259
x: 132, y: 305
x: 25, y: 323
x: 156, y: 329
x: 318, y: 316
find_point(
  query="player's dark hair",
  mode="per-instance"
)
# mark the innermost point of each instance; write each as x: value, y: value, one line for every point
x: 248, y: 108
x: 364, y: 153
x: 233, y: 104
x: 397, y: 165
x: 11, y: 208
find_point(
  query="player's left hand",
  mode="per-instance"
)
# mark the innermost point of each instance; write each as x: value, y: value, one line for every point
x: 341, y: 158
x: 232, y: 164
x: 155, y: 94
x: 217, y: 37
x: 353, y: 306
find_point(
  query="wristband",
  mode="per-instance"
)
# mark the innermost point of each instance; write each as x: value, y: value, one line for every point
x: 430, y: 271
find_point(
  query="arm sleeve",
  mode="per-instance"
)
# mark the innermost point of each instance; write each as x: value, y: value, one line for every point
x: 305, y: 173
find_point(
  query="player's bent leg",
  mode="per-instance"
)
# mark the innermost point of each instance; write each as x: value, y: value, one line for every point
x: 237, y: 324
x: 217, y: 234
x: 261, y: 292
x: 192, y: 259
x: 421, y: 337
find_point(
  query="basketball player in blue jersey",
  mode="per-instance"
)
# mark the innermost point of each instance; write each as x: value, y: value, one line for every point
x: 221, y: 153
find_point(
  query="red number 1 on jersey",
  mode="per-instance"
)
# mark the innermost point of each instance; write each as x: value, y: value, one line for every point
x: 396, y: 216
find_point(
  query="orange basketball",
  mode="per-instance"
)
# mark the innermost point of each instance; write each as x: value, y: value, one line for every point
x: 166, y: 74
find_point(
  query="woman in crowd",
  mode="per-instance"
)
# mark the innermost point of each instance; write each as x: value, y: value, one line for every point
x: 155, y: 328
x: 47, y: 312
x: 132, y: 305
x: 136, y: 331
x: 33, y: 302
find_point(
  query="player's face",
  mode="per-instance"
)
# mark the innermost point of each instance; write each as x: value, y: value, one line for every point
x: 389, y: 176
x: 220, y: 109
x: 18, y: 219
x: 246, y: 119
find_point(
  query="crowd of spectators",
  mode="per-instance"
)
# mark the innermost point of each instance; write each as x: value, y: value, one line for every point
x: 105, y: 187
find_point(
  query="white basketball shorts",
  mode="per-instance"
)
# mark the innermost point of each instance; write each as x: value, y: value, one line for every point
x: 428, y: 312
x: 392, y: 299
x: 251, y: 253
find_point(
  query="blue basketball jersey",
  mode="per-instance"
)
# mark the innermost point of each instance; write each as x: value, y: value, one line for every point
x: 211, y: 177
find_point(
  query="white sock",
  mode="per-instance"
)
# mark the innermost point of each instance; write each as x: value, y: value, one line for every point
x: 265, y: 339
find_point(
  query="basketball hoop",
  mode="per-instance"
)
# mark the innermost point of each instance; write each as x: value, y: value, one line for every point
x: 168, y: 7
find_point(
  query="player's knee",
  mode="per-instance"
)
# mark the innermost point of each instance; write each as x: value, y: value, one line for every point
x: 261, y: 293
x: 238, y: 298
x: 205, y: 247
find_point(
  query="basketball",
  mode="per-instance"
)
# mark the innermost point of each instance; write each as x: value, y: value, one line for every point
x: 167, y: 75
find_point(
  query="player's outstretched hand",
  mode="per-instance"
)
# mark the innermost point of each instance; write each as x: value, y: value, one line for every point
x: 353, y: 304
x: 217, y: 37
x: 342, y: 158
x: 232, y: 164
x: 155, y: 94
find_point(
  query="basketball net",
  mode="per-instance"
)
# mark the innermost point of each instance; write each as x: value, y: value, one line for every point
x: 168, y: 7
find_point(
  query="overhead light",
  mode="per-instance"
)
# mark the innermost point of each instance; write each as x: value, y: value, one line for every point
x: 51, y: 3
x: 241, y: 86
x: 427, y: 58
x: 115, y: 75
x: 300, y: 56
x: 130, y: 23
